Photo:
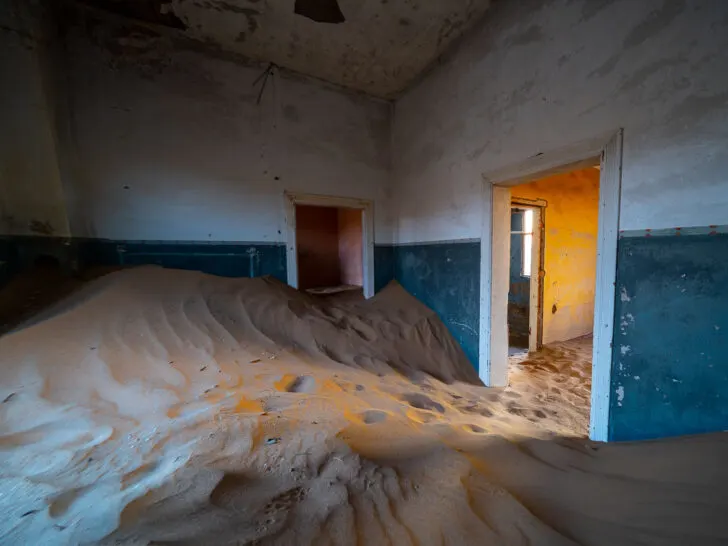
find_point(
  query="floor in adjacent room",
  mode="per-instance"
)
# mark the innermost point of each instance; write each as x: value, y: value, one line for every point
x: 557, y: 377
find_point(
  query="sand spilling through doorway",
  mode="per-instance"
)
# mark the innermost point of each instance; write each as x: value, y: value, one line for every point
x: 159, y: 406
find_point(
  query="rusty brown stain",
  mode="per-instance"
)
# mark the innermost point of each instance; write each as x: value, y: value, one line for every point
x: 40, y: 227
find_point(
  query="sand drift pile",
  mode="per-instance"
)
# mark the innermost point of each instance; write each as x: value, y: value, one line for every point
x: 170, y: 407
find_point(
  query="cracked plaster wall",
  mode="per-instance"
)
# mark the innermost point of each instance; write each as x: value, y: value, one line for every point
x: 539, y: 76
x: 169, y: 143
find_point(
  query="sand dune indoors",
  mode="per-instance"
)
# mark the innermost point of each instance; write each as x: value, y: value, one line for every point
x: 169, y: 407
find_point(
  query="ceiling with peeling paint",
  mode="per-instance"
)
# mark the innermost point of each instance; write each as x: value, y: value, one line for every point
x: 380, y: 48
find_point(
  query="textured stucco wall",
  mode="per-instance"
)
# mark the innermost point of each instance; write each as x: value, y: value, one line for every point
x: 570, y: 253
x: 539, y: 76
x: 170, y: 143
x: 31, y: 192
x: 669, y: 372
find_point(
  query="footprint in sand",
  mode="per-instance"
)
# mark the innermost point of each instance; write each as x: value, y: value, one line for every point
x: 474, y: 428
x: 297, y: 384
x: 423, y: 417
x: 284, y: 502
x: 420, y: 401
x: 302, y: 383
x: 493, y: 397
x: 513, y: 409
x: 362, y: 329
x: 371, y: 417
x: 229, y: 492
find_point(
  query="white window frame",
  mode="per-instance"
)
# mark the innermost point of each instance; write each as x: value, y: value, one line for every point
x: 535, y: 279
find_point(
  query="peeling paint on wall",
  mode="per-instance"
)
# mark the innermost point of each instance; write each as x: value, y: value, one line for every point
x: 492, y: 105
x: 669, y: 351
x: 186, y: 151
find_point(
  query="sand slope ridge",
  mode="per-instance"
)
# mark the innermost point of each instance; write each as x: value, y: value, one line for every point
x: 171, y: 407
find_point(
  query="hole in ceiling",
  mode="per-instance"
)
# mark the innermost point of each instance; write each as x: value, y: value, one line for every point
x: 321, y: 11
x: 152, y: 11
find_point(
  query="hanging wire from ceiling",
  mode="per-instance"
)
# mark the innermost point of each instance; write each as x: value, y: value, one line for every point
x: 268, y: 72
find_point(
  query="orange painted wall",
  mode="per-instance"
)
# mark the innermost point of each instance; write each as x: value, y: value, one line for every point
x: 329, y: 242
x: 317, y: 238
x: 350, y: 246
x: 570, y: 250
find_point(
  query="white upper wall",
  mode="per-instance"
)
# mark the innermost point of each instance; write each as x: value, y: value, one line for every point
x: 540, y: 76
x: 31, y: 194
x: 169, y: 143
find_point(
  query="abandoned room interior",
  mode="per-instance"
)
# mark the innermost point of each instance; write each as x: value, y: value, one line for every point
x: 289, y: 272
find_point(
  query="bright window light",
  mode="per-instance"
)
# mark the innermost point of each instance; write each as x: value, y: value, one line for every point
x: 527, y: 243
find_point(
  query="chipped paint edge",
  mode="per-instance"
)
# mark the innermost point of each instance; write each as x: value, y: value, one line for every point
x: 675, y: 231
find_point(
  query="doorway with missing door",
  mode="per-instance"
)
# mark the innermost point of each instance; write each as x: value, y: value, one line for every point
x: 566, y: 315
x: 329, y: 249
x: 330, y: 244
x: 552, y: 282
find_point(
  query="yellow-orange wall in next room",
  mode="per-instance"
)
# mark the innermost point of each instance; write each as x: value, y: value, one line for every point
x: 570, y: 250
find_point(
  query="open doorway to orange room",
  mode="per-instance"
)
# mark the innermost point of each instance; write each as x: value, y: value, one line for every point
x: 577, y: 190
x: 551, y: 287
x: 553, y: 251
x: 329, y: 245
x: 333, y: 239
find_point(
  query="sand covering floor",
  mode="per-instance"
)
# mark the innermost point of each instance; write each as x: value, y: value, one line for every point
x: 169, y: 407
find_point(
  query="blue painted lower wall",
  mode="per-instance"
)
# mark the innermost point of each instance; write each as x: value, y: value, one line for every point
x: 383, y: 266
x: 445, y: 276
x: 19, y: 253
x: 670, y: 349
x: 6, y: 261
x: 237, y: 259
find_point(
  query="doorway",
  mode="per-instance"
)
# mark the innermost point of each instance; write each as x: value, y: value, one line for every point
x: 330, y: 243
x: 329, y: 248
x: 603, y: 151
x: 551, y: 305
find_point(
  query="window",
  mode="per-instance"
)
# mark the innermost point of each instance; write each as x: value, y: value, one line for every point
x: 527, y: 243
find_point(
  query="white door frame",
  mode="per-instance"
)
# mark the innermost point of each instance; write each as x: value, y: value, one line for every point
x: 606, y: 151
x: 367, y: 232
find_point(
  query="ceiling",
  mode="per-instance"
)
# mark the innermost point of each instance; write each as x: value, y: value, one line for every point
x: 381, y: 47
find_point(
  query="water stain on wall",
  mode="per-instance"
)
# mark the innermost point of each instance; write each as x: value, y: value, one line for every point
x: 655, y: 22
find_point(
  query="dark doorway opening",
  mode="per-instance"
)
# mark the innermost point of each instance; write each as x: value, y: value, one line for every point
x: 329, y: 248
